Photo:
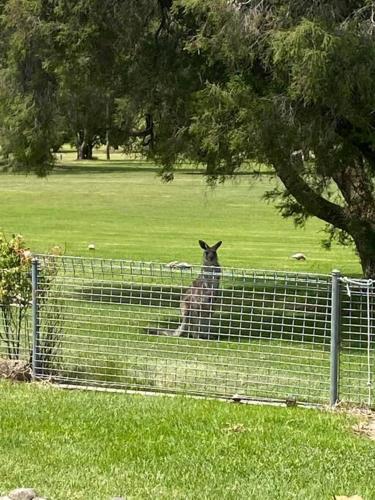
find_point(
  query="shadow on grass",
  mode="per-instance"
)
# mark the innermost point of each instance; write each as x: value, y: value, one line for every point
x: 250, y: 310
x: 240, y: 313
x: 141, y: 166
x: 122, y: 167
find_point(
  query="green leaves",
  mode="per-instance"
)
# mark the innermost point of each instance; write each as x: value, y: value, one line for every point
x: 26, y: 88
x: 303, y: 55
x: 224, y: 83
x: 15, y: 266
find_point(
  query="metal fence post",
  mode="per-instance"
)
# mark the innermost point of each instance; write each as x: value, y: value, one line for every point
x: 335, y: 337
x: 35, y: 316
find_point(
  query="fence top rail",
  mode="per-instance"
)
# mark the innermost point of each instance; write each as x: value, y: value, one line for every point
x: 358, y: 282
x: 180, y: 267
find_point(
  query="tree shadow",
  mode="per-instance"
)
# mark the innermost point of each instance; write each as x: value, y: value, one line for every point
x: 103, y: 169
x: 241, y: 313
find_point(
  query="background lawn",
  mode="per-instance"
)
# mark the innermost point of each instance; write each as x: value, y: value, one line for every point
x: 127, y: 212
x: 82, y: 445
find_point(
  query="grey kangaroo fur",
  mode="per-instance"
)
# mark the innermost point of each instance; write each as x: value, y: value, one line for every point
x: 198, y: 302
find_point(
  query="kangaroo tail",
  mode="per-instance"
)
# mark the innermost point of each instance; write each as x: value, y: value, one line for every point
x: 162, y: 331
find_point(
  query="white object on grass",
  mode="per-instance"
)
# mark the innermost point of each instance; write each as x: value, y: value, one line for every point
x: 299, y: 256
x: 175, y: 264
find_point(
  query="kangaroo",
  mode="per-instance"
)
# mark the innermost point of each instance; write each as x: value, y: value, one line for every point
x: 198, y: 302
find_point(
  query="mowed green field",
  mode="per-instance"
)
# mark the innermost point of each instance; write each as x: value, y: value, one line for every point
x: 124, y: 209
x: 82, y: 445
x: 79, y: 445
x: 127, y: 212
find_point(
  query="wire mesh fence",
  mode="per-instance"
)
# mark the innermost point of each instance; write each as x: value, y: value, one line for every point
x: 115, y: 323
x: 357, y: 353
x: 257, y: 334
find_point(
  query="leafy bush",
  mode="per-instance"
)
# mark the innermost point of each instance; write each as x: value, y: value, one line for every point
x: 16, y: 301
x: 15, y: 293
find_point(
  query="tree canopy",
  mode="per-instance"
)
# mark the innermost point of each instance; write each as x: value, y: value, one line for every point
x: 288, y: 84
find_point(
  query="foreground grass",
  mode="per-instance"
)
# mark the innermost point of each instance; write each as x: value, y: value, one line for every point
x: 81, y: 445
x: 124, y: 209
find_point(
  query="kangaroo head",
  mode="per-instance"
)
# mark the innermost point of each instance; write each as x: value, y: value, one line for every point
x: 210, y: 253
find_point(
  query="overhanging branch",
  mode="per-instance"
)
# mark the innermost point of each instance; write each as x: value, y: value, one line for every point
x: 164, y: 6
x: 314, y: 203
x: 147, y: 133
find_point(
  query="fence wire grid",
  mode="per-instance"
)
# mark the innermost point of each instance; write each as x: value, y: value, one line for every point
x: 259, y: 335
x: 357, y: 353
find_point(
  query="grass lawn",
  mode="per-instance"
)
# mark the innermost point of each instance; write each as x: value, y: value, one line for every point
x: 127, y: 212
x: 124, y: 209
x: 83, y: 445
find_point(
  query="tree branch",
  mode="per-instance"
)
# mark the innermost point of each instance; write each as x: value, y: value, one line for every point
x: 147, y: 133
x: 165, y: 6
x: 314, y: 203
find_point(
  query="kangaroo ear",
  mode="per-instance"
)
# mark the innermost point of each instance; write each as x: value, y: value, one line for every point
x: 203, y: 244
x: 217, y: 245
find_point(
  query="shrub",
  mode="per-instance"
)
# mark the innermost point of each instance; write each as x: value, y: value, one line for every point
x: 16, y: 301
x: 15, y: 294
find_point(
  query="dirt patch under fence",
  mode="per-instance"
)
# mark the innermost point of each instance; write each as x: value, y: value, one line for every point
x: 366, y: 420
x: 366, y: 428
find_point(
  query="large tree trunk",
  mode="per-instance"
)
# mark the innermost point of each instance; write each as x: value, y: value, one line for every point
x: 368, y: 266
x: 78, y: 144
x: 84, y: 146
x: 355, y: 185
x: 85, y: 151
x: 365, y: 246
x: 107, y: 146
x: 108, y: 126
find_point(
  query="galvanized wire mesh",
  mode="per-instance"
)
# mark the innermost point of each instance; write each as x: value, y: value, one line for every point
x: 357, y: 353
x: 114, y: 324
x: 257, y: 334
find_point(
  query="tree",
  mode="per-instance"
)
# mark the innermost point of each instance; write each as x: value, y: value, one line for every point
x: 98, y: 42
x: 64, y: 65
x: 85, y: 71
x: 290, y: 84
x: 27, y: 87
